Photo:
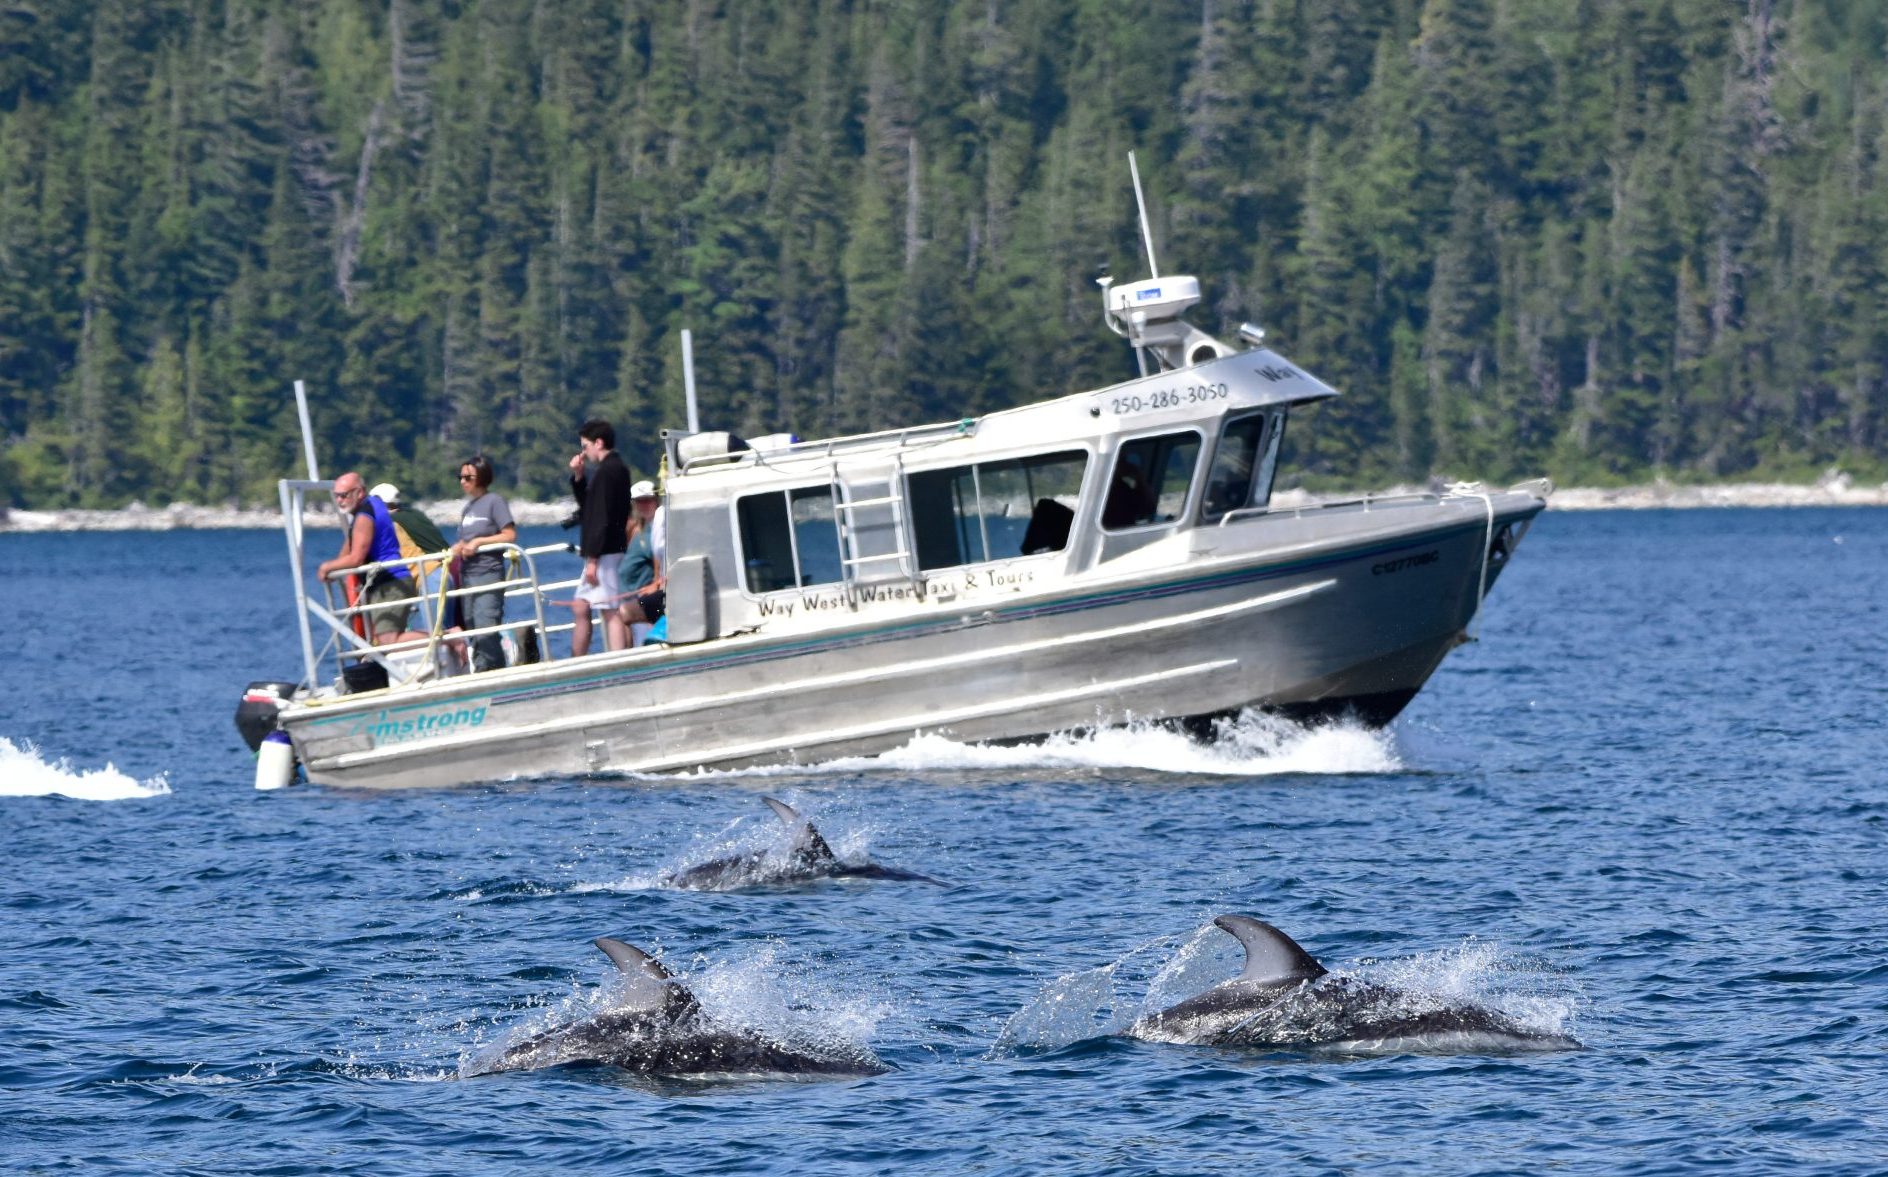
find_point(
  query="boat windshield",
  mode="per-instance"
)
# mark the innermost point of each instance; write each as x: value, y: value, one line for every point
x: 1243, y: 463
x: 1152, y: 476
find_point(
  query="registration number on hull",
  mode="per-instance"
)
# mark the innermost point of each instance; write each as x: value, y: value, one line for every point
x: 1178, y: 396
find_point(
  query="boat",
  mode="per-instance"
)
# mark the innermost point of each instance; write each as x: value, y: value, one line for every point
x: 1103, y: 558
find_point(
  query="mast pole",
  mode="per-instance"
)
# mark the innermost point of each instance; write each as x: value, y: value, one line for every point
x: 1140, y: 202
x: 308, y: 430
x: 293, y: 498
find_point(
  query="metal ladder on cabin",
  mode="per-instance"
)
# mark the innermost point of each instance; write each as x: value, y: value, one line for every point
x: 869, y: 515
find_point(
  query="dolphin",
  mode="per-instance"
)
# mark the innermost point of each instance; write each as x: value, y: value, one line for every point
x: 1285, y: 999
x: 656, y: 1027
x: 806, y: 858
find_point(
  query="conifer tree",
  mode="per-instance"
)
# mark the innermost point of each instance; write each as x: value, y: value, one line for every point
x: 1594, y: 238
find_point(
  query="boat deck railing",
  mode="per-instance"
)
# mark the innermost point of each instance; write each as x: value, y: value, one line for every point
x: 1360, y: 503
x: 1539, y: 487
x: 411, y: 659
x: 826, y: 449
x: 529, y: 632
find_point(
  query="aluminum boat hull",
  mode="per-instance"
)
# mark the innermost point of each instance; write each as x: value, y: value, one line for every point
x: 1311, y: 612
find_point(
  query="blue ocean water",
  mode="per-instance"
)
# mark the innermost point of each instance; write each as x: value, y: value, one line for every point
x: 1647, y: 809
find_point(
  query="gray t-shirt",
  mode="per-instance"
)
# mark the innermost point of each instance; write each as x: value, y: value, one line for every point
x: 486, y: 515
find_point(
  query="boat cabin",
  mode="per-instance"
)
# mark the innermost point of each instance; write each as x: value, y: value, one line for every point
x: 780, y: 532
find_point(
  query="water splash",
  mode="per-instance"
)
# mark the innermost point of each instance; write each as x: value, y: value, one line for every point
x: 500, y: 889
x: 756, y: 991
x: 25, y: 773
x: 626, y: 885
x: 1208, y: 958
x: 759, y: 851
x: 1087, y: 1004
x: 1069, y: 1009
x: 787, y: 1000
x: 192, y: 1078
x: 1253, y: 743
x: 1479, y: 973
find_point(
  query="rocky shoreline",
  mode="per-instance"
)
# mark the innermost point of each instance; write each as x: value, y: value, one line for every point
x: 188, y: 517
x: 1834, y: 490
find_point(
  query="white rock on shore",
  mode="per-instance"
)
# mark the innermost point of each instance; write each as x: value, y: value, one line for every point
x: 1832, y: 490
x: 1837, y: 491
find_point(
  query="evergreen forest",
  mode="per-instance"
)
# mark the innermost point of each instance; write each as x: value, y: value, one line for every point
x: 1605, y: 240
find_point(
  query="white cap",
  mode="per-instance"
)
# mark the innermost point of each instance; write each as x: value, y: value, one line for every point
x: 643, y: 490
x: 386, y: 492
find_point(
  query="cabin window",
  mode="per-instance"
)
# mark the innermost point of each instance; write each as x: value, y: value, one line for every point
x: 994, y: 510
x: 789, y: 539
x: 1152, y: 476
x: 1243, y: 465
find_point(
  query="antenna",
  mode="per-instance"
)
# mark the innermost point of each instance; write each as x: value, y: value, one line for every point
x: 1140, y: 202
x: 688, y: 380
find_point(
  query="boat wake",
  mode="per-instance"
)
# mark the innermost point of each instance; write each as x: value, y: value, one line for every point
x: 1253, y: 743
x: 24, y: 772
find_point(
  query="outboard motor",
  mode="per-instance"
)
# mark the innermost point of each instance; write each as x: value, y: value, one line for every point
x: 255, y: 715
x: 255, y: 719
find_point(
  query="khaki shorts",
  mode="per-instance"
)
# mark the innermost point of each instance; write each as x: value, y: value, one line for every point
x: 385, y: 623
x: 602, y: 594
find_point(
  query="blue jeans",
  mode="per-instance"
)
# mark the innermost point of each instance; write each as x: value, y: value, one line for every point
x: 481, y: 610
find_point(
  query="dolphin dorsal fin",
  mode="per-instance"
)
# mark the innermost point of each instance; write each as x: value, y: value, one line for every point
x: 806, y: 839
x: 1272, y: 957
x: 648, y: 986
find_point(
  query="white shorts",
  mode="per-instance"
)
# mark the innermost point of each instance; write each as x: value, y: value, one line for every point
x: 602, y: 594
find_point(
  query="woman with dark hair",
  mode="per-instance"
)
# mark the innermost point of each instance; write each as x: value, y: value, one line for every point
x: 485, y: 521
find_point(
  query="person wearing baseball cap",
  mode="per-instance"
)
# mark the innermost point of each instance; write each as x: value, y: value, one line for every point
x: 641, y: 578
x: 418, y: 536
x: 417, y: 531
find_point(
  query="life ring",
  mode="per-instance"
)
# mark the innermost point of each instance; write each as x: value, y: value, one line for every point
x: 352, y: 587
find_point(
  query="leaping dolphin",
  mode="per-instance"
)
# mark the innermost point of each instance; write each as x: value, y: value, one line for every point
x: 1284, y: 998
x: 658, y: 1028
x: 806, y: 858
